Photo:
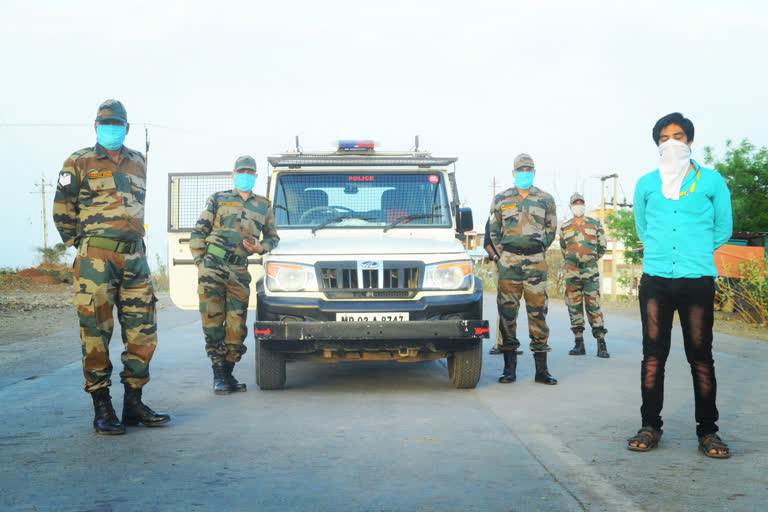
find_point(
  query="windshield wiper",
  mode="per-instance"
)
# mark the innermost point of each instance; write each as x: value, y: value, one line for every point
x: 408, y: 217
x: 337, y: 219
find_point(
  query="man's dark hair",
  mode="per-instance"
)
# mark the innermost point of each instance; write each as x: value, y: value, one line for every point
x: 673, y: 118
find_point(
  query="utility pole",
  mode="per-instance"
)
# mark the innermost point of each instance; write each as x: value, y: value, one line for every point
x: 494, y: 186
x: 614, y: 252
x: 601, y: 269
x: 146, y: 145
x: 41, y: 190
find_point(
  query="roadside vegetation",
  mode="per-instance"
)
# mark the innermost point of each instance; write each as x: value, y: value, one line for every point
x: 486, y: 271
x: 746, y: 298
x: 160, y: 276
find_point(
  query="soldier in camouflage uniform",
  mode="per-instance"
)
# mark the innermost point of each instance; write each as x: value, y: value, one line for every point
x: 99, y: 208
x: 226, y: 233
x: 582, y: 241
x: 523, y: 225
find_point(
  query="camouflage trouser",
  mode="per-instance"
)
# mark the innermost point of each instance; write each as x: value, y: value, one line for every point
x: 582, y: 291
x: 523, y: 277
x: 104, y: 279
x: 224, y: 291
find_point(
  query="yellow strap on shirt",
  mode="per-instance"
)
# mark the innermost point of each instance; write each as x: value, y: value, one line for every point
x: 693, y: 187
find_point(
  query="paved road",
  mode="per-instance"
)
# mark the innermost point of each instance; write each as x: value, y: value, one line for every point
x: 380, y: 436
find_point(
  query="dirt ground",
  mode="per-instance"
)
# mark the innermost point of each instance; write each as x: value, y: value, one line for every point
x: 725, y: 323
x: 42, y: 309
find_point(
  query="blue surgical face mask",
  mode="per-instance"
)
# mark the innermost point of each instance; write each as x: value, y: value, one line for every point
x: 111, y: 136
x: 523, y: 179
x: 245, y: 181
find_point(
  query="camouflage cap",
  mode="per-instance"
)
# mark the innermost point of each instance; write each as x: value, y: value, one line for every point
x: 245, y: 162
x: 576, y: 197
x: 524, y: 159
x: 111, y: 109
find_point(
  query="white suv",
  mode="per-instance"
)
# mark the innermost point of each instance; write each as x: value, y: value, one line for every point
x: 368, y: 265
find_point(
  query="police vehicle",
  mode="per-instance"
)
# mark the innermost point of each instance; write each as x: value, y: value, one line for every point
x: 368, y: 266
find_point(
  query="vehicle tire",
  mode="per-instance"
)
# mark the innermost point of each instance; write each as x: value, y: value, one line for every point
x: 270, y: 368
x: 464, y: 367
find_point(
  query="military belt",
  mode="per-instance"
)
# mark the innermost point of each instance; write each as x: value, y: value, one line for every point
x: 121, y: 246
x: 226, y: 255
x: 526, y: 251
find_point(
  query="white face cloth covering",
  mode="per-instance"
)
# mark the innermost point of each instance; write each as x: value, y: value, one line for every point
x: 578, y: 210
x: 673, y: 164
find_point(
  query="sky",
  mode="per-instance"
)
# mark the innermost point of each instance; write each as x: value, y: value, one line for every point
x: 577, y: 85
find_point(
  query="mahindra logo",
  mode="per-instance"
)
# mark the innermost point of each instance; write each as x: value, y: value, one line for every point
x: 369, y: 264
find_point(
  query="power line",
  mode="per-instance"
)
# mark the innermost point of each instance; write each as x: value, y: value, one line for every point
x: 47, y: 125
x: 84, y: 124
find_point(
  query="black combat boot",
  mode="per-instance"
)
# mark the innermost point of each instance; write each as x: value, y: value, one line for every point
x: 221, y: 385
x: 105, y: 420
x: 234, y: 386
x: 578, y: 348
x: 542, y: 374
x: 602, y: 350
x: 510, y: 367
x: 135, y: 412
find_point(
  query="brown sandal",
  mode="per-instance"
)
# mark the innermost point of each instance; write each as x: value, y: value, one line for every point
x: 648, y: 436
x: 713, y: 442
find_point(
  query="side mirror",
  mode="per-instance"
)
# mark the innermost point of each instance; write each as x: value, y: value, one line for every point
x: 464, y: 220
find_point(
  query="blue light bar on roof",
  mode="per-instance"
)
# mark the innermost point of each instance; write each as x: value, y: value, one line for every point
x: 355, y: 144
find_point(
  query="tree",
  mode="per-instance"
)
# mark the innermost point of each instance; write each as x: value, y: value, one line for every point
x: 52, y: 255
x: 622, y: 226
x: 745, y: 169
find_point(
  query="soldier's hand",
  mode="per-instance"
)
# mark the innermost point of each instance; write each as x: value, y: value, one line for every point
x: 253, y: 246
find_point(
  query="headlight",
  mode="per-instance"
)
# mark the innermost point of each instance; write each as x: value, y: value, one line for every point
x: 291, y: 277
x: 456, y: 275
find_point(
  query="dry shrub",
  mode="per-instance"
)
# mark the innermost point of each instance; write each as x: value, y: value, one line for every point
x: 747, y: 297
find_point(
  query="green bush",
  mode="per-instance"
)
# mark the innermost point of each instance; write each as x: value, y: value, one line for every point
x: 160, y: 278
x: 62, y: 274
x: 52, y: 255
x: 487, y: 274
x: 747, y: 296
x: 555, y: 274
x: 9, y: 279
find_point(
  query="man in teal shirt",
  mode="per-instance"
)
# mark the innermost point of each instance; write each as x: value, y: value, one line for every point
x: 682, y: 214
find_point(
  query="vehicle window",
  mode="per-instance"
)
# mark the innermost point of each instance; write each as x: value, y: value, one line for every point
x: 306, y: 200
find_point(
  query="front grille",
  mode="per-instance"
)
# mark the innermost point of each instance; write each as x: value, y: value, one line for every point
x: 349, y: 280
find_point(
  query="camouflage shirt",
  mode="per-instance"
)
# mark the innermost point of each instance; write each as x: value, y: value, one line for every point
x: 228, y: 219
x: 525, y: 223
x: 97, y: 197
x: 582, y: 242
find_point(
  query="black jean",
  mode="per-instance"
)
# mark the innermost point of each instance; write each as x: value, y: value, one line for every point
x: 693, y: 299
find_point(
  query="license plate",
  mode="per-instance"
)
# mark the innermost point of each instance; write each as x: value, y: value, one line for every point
x: 372, y: 317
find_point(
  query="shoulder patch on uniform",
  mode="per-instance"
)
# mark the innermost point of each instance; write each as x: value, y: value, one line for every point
x: 65, y: 179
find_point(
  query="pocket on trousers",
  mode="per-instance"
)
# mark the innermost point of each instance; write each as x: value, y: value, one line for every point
x: 85, y: 305
x: 83, y: 299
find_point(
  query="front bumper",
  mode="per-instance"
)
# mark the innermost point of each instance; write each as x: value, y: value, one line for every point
x: 426, y: 335
x: 436, y: 307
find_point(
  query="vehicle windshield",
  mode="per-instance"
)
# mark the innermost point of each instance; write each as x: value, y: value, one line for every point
x: 399, y: 200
